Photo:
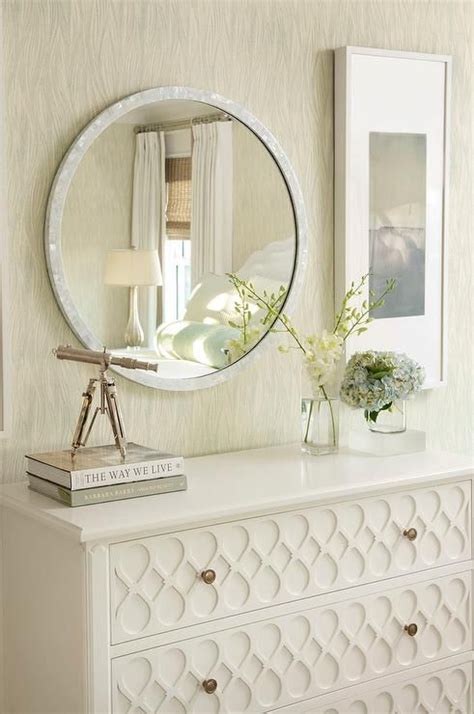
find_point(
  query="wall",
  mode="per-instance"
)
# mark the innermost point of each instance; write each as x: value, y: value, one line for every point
x: 66, y: 61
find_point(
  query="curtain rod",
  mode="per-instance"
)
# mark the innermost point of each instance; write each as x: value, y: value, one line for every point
x: 183, y: 124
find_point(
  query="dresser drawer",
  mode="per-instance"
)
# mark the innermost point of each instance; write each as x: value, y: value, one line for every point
x: 273, y: 663
x: 448, y: 690
x: 156, y: 582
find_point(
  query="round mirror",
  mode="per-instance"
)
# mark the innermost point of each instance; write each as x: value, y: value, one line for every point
x: 162, y: 205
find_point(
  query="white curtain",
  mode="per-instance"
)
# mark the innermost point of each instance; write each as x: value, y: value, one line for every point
x: 211, y: 212
x: 148, y: 215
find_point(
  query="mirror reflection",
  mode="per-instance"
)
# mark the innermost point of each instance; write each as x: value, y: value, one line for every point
x: 168, y: 201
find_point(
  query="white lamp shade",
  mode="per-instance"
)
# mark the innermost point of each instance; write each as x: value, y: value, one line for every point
x: 133, y: 266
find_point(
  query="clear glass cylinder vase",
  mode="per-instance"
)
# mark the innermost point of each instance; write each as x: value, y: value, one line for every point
x: 320, y: 424
x: 390, y: 420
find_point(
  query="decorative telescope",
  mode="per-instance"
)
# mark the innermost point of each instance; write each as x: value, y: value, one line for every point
x: 109, y: 402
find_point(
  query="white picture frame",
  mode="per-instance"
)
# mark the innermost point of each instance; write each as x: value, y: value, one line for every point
x: 391, y: 196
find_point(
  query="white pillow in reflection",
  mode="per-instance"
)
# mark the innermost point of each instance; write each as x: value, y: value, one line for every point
x: 275, y: 262
x: 195, y: 342
x: 213, y: 299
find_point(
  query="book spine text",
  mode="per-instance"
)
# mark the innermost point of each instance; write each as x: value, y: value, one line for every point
x: 111, y: 476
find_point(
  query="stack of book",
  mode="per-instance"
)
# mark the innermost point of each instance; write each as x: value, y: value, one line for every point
x: 99, y: 474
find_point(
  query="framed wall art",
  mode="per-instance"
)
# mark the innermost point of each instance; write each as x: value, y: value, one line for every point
x: 391, y: 188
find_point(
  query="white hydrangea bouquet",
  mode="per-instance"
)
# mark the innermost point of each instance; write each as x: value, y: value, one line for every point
x: 374, y: 381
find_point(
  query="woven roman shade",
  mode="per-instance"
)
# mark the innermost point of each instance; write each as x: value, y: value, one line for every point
x: 178, y: 206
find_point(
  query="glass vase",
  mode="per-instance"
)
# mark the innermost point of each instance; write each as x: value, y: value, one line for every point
x: 320, y: 424
x: 391, y: 420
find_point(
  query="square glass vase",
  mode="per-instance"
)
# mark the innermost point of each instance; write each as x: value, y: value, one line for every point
x: 391, y: 420
x: 320, y: 425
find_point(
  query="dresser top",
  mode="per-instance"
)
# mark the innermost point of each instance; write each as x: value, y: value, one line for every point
x: 244, y: 483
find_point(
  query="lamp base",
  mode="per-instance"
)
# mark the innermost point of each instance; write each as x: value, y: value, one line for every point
x: 134, y: 335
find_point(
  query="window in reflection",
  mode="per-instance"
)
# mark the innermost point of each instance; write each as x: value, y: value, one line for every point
x: 177, y: 279
x: 177, y: 243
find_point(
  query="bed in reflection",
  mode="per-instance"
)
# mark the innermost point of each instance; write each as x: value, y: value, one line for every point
x: 204, y: 333
x: 168, y: 368
x: 199, y: 343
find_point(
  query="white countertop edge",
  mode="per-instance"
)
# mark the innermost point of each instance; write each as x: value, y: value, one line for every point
x: 264, y: 508
x: 92, y: 525
x: 38, y: 514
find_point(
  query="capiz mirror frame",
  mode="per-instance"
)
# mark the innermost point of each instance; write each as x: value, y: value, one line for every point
x: 195, y: 328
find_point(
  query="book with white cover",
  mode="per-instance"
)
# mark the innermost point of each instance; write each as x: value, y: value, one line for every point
x: 103, y: 494
x: 103, y: 466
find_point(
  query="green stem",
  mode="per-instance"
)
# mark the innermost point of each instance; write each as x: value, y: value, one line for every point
x: 308, y: 423
x: 276, y: 315
x: 274, y: 306
x: 357, y: 322
x: 244, y: 316
x: 349, y: 296
x: 332, y: 415
x: 370, y: 309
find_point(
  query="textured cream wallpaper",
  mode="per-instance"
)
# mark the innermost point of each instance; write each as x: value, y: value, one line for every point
x: 65, y: 61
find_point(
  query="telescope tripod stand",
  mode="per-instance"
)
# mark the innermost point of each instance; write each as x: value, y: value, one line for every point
x: 109, y: 405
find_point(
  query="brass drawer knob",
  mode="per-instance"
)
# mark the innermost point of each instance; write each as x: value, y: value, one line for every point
x: 412, y: 629
x: 209, y: 686
x: 209, y: 577
x: 410, y: 533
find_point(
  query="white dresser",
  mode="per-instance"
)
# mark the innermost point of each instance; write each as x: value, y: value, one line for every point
x: 278, y: 581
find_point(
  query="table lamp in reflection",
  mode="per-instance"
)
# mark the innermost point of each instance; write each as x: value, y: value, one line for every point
x: 133, y: 268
